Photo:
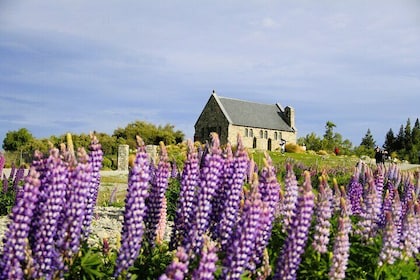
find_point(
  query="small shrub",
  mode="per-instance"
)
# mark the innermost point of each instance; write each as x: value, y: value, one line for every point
x: 106, y: 163
x: 294, y: 148
x: 7, y: 200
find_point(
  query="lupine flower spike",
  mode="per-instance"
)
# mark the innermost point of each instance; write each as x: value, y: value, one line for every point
x: 369, y: 217
x: 230, y: 213
x: 410, y: 233
x: 323, y: 213
x: 269, y: 189
x: 341, y: 244
x: 14, y: 261
x: 70, y: 231
x: 208, y: 259
x: 390, y: 245
x: 189, y: 182
x: 157, y: 194
x: 51, y: 203
x: 209, y: 182
x: 134, y: 212
x: 290, y: 196
x: 246, y: 233
x: 294, y: 246
x: 95, y: 159
x: 178, y: 269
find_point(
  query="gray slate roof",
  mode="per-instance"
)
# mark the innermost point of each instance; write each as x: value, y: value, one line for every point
x: 245, y: 113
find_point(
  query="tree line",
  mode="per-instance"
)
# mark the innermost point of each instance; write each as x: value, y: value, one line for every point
x: 404, y: 146
x: 21, y: 144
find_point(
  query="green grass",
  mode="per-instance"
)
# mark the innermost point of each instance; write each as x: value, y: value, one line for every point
x: 308, y: 159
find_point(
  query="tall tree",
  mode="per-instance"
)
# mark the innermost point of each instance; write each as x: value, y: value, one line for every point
x: 415, y: 134
x: 328, y: 142
x: 368, y: 140
x: 399, y: 140
x: 408, y: 141
x: 390, y: 140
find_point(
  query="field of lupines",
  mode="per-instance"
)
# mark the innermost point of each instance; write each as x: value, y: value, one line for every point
x: 233, y: 220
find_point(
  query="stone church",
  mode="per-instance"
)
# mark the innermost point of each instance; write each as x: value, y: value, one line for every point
x: 262, y: 126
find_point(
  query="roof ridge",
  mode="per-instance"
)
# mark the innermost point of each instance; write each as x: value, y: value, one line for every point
x: 246, y: 101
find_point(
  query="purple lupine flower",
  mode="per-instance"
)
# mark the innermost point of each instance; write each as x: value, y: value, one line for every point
x: 379, y: 177
x: 12, y: 171
x: 189, y: 182
x: 208, y: 259
x: 178, y: 269
x: 152, y: 172
x: 13, y: 262
x: 393, y: 174
x: 246, y: 232
x: 336, y: 196
x: 386, y: 207
x: 20, y: 173
x: 390, y: 188
x: 229, y: 216
x: 417, y: 225
x: 410, y: 233
x: 290, y: 197
x: 397, y: 213
x: 174, y: 170
x: 280, y: 204
x: 5, y: 184
x: 2, y: 162
x: 39, y: 163
x: 390, y: 242
x: 341, y: 250
x: 69, y: 235
x: 209, y: 182
x: 220, y: 196
x: 369, y: 216
x: 51, y: 203
x: 134, y: 212
x: 323, y: 214
x: 408, y: 193
x: 157, y: 194
x: 294, y: 246
x: 269, y: 189
x: 95, y: 159
x: 355, y: 191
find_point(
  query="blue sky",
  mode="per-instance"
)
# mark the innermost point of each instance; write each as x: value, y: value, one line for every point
x: 78, y: 66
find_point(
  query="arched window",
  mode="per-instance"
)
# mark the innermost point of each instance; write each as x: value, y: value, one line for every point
x: 261, y: 134
x: 275, y: 135
x: 251, y: 133
x: 265, y: 134
x: 246, y: 132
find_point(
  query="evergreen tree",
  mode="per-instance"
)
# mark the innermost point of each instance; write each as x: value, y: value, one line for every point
x: 368, y: 140
x: 399, y: 140
x: 328, y: 142
x: 390, y: 140
x: 415, y: 134
x: 408, y: 141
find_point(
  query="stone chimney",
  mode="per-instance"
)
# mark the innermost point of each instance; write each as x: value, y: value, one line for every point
x: 290, y: 115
